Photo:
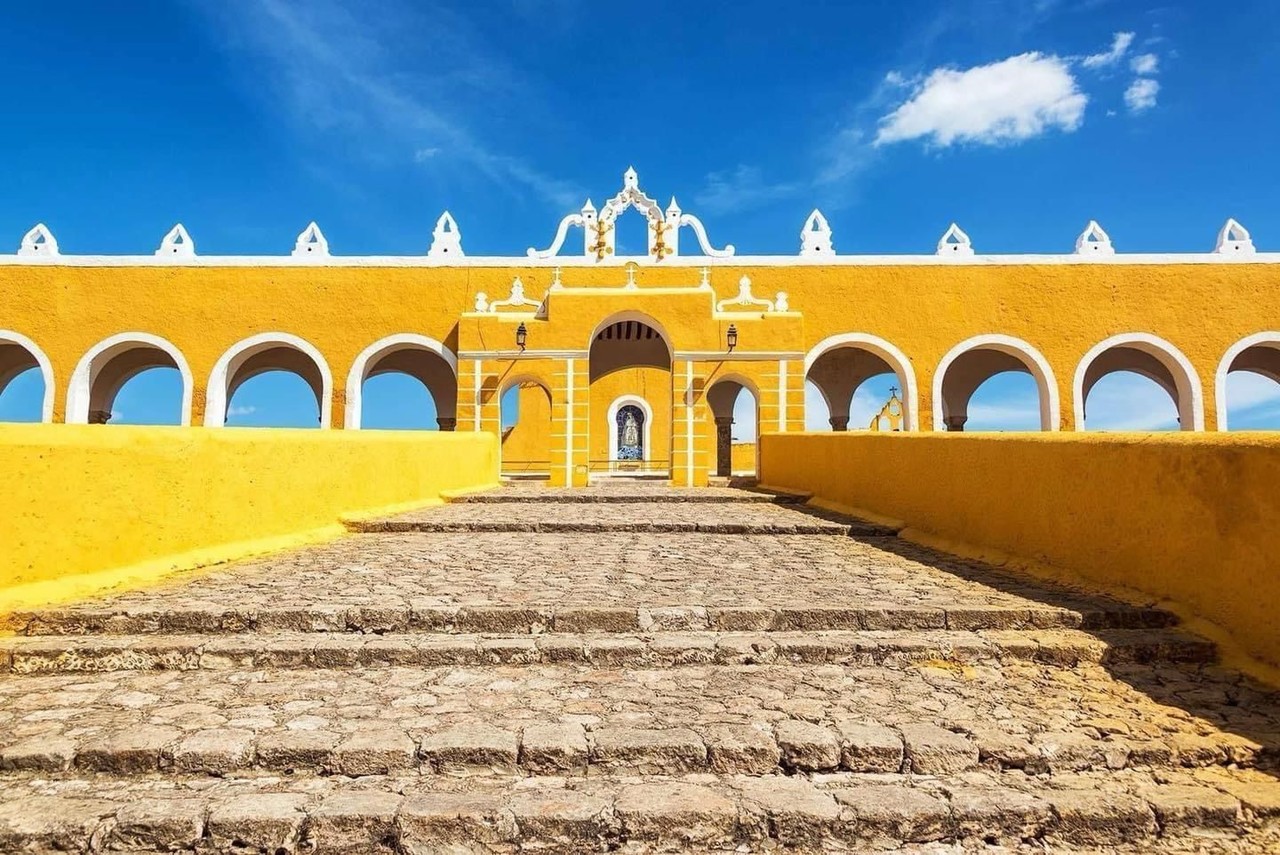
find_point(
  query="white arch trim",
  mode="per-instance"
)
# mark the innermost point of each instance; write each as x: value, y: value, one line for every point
x: 623, y: 401
x: 1037, y: 365
x: 889, y: 353
x: 46, y: 369
x: 81, y: 388
x: 1190, y: 401
x: 640, y: 317
x: 215, y: 412
x: 371, y: 354
x: 1270, y: 337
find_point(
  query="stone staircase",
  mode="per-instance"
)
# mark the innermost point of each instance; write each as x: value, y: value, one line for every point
x: 630, y: 667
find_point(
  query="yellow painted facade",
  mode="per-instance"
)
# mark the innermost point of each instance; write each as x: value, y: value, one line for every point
x: 1182, y: 518
x: 97, y: 507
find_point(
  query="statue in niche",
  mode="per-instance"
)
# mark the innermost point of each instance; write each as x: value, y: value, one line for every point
x: 630, y: 438
x: 631, y: 431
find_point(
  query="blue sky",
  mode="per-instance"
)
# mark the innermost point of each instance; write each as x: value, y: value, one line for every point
x: 1019, y: 119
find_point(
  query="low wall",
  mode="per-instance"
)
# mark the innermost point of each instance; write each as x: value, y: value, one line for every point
x: 79, y: 501
x: 1193, y: 519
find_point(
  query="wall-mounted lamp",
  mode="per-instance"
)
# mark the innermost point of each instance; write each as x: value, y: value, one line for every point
x: 522, y: 336
x: 731, y: 337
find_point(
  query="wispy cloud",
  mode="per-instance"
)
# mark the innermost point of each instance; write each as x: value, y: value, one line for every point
x: 1120, y: 45
x: 742, y: 188
x: 1141, y: 94
x: 391, y: 83
x: 242, y: 411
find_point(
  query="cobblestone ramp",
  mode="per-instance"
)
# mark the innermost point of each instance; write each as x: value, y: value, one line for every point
x: 609, y: 681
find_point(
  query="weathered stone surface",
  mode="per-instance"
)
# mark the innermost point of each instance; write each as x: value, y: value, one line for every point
x: 357, y: 822
x: 431, y: 821
x: 896, y: 814
x: 376, y: 751
x: 42, y: 824
x: 565, y: 819
x: 215, y: 751
x: 547, y: 749
x: 998, y: 813
x: 300, y: 750
x: 793, y: 810
x: 160, y: 825
x: 684, y: 814
x: 1070, y: 752
x: 807, y: 747
x: 1099, y: 818
x: 40, y: 753
x: 741, y: 750
x: 1181, y: 808
x: 129, y: 750
x: 649, y: 752
x: 470, y: 746
x: 869, y: 748
x: 932, y: 750
x: 262, y: 822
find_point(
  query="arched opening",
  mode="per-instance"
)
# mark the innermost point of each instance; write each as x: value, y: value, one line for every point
x: 1248, y: 384
x: 26, y: 380
x: 1125, y: 403
x: 524, y: 409
x: 839, y: 367
x: 403, y: 382
x: 269, y: 356
x: 157, y: 375
x: 994, y: 364
x: 734, y: 410
x: 629, y: 365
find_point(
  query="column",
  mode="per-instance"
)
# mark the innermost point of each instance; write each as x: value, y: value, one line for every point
x: 839, y: 423
x: 724, y: 446
x: 955, y: 423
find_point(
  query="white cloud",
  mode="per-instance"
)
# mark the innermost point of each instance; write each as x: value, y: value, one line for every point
x: 1005, y: 102
x: 1120, y: 45
x: 242, y: 411
x: 1141, y: 94
x: 422, y: 155
x: 743, y: 188
x: 1123, y: 401
x: 1147, y: 64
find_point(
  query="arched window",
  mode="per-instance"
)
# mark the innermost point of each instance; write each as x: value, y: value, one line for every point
x: 1125, y: 403
x: 26, y: 380
x: 154, y: 370
x: 854, y: 374
x: 404, y: 381
x: 274, y: 399
x: 1248, y: 384
x: 994, y: 365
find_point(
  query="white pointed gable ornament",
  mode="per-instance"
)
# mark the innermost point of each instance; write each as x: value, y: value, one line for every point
x: 38, y: 242
x: 955, y: 242
x: 177, y: 244
x: 446, y: 240
x: 815, y: 237
x: 311, y: 243
x: 1094, y: 241
x: 1234, y: 239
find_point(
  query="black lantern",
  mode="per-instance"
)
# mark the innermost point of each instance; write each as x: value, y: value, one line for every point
x: 732, y: 336
x: 522, y: 335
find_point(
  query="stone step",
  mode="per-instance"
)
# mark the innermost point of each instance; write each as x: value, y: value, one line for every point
x: 1225, y: 813
x: 631, y: 517
x: 628, y: 494
x: 428, y: 616
x: 101, y: 653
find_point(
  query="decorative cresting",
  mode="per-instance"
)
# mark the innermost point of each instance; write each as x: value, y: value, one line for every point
x: 1094, y: 241
x: 311, y: 243
x: 1234, y: 239
x: 745, y: 299
x: 815, y: 237
x: 446, y: 240
x: 600, y: 234
x: 38, y: 242
x: 516, y: 299
x: 955, y: 242
x: 177, y: 244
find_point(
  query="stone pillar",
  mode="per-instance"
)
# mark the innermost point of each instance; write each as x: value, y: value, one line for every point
x: 99, y: 417
x: 724, y: 446
x: 447, y: 424
x: 839, y: 423
x: 955, y: 423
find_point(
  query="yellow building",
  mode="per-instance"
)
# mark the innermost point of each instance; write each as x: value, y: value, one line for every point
x: 632, y: 364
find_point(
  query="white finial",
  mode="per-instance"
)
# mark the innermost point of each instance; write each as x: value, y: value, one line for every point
x: 1234, y: 239
x: 1094, y: 241
x: 311, y: 243
x: 482, y: 302
x: 673, y: 209
x: 705, y: 281
x: 955, y: 242
x: 555, y: 278
x: 815, y: 237
x: 589, y: 208
x: 631, y: 274
x: 177, y: 244
x: 780, y: 302
x: 38, y: 242
x: 446, y: 240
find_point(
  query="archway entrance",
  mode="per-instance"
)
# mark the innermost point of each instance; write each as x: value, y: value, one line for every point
x: 524, y: 412
x: 734, y: 407
x: 630, y: 399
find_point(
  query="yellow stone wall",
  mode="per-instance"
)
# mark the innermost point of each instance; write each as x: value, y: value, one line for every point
x: 1187, y: 518
x: 742, y: 457
x: 83, y: 500
x: 653, y: 385
x: 526, y: 445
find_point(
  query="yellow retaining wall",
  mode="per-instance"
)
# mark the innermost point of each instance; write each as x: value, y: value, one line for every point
x: 742, y: 457
x: 1190, y: 519
x: 84, y: 506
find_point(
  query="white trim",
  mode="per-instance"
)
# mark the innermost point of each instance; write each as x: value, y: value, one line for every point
x: 782, y: 396
x: 569, y: 438
x: 688, y: 423
x: 1190, y: 402
x: 618, y: 403
x: 477, y: 388
x: 637, y: 316
x: 522, y: 354
x: 1271, y: 338
x: 45, y: 366
x: 384, y: 347
x: 81, y: 388
x: 897, y: 360
x: 740, y: 261
x: 215, y: 412
x: 738, y: 355
x: 1037, y: 366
